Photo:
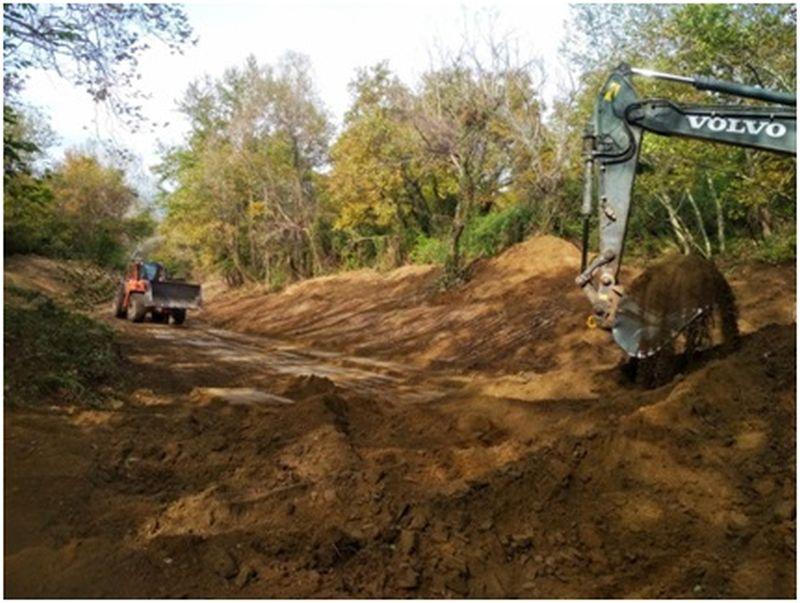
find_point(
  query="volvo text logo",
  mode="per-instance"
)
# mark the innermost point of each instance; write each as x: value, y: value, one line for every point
x: 736, y: 125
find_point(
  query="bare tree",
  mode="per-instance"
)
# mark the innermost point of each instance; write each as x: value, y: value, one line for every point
x: 95, y: 46
x: 479, y: 109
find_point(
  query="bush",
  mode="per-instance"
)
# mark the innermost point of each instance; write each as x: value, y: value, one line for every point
x: 490, y: 234
x: 484, y: 236
x: 778, y: 249
x: 29, y: 224
x: 429, y: 250
x: 54, y: 355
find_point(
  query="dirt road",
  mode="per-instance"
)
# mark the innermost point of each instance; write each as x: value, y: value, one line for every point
x: 243, y: 465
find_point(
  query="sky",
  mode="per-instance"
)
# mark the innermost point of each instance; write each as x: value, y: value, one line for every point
x: 338, y: 36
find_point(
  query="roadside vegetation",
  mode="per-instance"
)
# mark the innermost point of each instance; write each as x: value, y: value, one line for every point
x: 80, y: 207
x: 55, y: 352
x: 83, y: 206
x: 55, y: 355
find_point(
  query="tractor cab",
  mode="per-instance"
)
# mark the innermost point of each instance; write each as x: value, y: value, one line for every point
x: 147, y: 271
x: 153, y: 271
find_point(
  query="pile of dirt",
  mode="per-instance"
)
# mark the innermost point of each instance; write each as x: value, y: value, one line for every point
x: 245, y: 466
x: 684, y: 491
x: 520, y: 312
x: 676, y: 288
x: 507, y: 317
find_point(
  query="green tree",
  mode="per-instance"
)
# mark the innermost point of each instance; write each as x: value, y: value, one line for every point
x: 480, y: 113
x: 27, y: 198
x: 385, y: 191
x: 242, y: 192
x: 419, y: 167
x: 96, y: 47
x: 83, y: 208
x: 96, y: 210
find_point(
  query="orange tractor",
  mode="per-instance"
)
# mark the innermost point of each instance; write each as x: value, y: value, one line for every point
x: 146, y: 288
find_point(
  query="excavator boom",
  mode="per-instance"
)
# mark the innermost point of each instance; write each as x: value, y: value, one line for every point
x: 612, y: 143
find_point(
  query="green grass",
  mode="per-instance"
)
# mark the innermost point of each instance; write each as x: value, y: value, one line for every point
x: 778, y: 249
x: 54, y: 355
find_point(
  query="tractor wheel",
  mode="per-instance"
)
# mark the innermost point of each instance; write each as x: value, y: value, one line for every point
x: 119, y: 298
x: 136, y: 308
x: 178, y: 316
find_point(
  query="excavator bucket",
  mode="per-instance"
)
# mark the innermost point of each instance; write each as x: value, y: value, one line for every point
x: 642, y: 334
x: 683, y: 295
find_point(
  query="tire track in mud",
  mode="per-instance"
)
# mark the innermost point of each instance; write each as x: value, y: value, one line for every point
x: 364, y: 376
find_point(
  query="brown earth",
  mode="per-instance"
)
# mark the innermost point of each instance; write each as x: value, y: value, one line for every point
x: 72, y: 283
x: 365, y: 435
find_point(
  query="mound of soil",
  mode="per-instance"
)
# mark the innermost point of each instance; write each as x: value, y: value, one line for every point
x: 505, y: 318
x: 681, y: 285
x: 683, y: 491
x: 245, y: 466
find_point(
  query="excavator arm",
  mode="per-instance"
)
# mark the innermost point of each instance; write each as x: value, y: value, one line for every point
x: 612, y: 142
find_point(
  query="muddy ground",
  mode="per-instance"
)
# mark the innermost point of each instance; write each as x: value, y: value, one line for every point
x: 366, y: 435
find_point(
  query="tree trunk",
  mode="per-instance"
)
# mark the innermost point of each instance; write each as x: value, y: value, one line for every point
x: 678, y: 228
x: 700, y: 225
x: 720, y: 215
x: 316, y: 256
x: 453, y: 266
x: 454, y: 259
x: 764, y: 218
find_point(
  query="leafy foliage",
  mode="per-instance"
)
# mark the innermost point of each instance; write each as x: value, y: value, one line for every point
x: 495, y: 231
x: 412, y: 167
x: 385, y: 190
x: 243, y: 194
x: 52, y: 354
x: 779, y: 248
x: 82, y: 209
x: 459, y: 166
x: 26, y: 135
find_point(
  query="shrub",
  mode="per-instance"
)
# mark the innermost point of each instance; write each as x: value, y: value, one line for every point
x: 429, y: 250
x: 53, y: 354
x: 778, y: 248
x: 490, y: 234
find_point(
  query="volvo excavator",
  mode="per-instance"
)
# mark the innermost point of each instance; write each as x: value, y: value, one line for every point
x: 680, y: 299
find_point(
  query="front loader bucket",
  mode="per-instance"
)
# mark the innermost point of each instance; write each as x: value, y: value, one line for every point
x: 174, y: 295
